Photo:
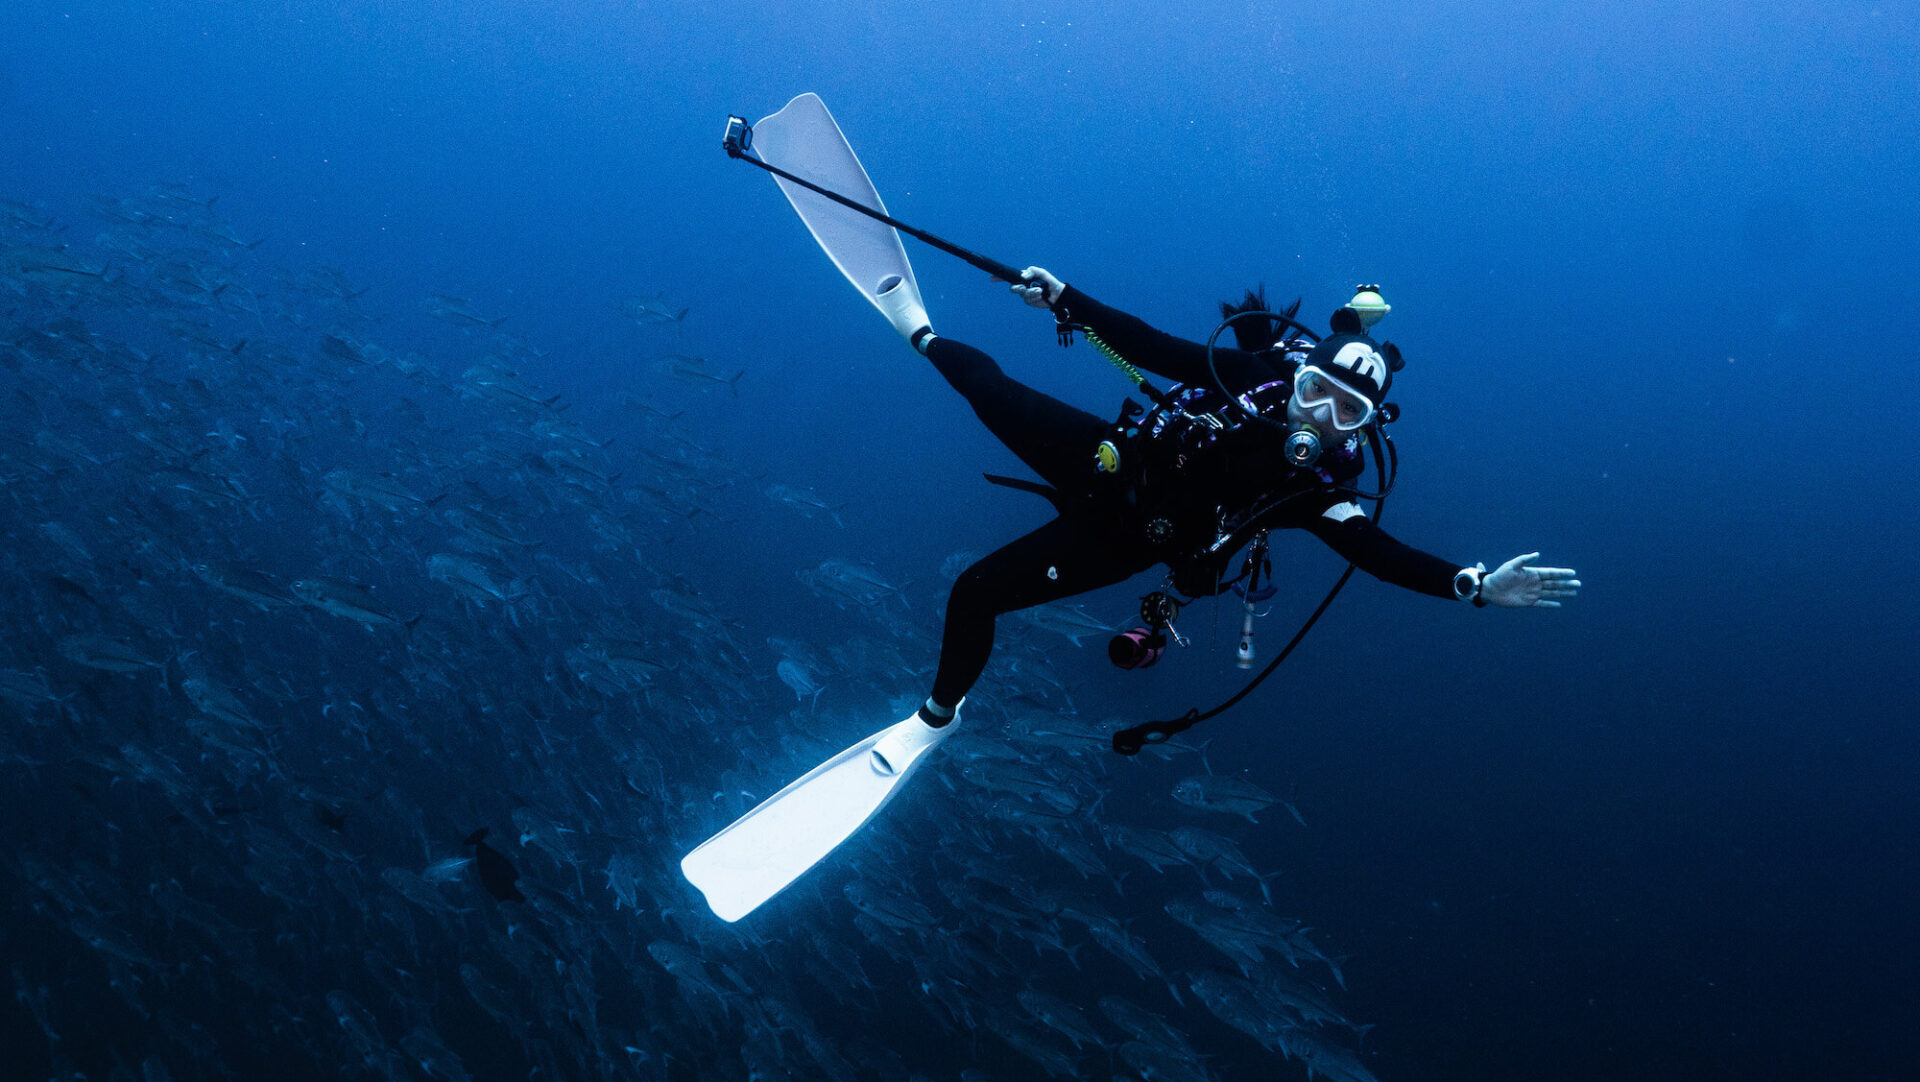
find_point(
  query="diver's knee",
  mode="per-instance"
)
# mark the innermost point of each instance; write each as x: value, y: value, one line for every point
x: 975, y: 593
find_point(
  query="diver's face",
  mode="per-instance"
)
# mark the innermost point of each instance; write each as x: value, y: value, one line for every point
x: 1329, y: 406
x: 1299, y: 416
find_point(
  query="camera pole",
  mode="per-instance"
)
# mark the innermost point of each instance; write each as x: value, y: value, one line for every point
x: 739, y: 144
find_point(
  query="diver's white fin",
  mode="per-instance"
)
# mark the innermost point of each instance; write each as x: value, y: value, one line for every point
x: 900, y: 301
x: 803, y: 139
x: 792, y: 830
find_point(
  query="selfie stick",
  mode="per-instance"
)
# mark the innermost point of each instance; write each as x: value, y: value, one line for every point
x: 739, y: 142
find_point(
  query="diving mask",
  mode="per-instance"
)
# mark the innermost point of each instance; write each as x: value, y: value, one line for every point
x: 1347, y: 409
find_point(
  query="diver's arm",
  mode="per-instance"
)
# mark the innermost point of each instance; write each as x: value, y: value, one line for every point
x: 1515, y: 584
x: 1348, y: 531
x: 1159, y: 352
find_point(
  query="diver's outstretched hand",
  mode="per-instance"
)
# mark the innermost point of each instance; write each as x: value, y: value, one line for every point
x: 1039, y: 288
x: 1514, y: 585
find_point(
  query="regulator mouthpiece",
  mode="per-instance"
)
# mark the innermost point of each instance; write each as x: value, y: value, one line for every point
x: 1303, y: 447
x: 1368, y: 305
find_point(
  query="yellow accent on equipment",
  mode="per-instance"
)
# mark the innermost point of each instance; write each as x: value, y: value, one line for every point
x: 1113, y: 357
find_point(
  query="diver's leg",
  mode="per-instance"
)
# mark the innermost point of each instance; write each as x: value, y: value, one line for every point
x: 1065, y: 557
x: 1056, y: 440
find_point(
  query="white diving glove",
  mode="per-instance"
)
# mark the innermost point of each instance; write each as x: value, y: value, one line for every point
x: 1039, y: 288
x: 1514, y: 585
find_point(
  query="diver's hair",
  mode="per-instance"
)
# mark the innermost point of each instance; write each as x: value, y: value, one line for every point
x: 1254, y: 335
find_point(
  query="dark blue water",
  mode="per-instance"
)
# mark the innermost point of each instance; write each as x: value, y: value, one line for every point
x: 1652, y: 272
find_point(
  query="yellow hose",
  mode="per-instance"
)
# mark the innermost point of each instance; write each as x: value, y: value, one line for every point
x: 1114, y: 358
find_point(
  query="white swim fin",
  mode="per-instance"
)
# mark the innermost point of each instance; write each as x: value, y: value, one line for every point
x: 772, y: 845
x: 803, y: 139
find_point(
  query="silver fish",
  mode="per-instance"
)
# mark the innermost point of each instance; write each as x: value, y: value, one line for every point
x: 1069, y: 620
x: 105, y: 653
x: 805, y: 682
x: 459, y: 311
x: 348, y: 600
x: 653, y: 310
x: 467, y: 577
x: 1215, y: 792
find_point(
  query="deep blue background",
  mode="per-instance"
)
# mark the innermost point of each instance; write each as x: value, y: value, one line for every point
x: 1651, y: 267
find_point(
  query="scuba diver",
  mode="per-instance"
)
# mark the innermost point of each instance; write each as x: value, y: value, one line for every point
x: 1268, y: 436
x: 1189, y: 481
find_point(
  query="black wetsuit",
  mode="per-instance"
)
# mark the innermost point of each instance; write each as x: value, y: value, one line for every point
x: 1181, y: 485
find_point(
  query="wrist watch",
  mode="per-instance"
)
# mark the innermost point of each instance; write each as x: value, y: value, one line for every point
x: 1467, y: 583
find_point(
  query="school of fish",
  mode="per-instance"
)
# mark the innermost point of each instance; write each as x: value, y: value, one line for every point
x: 358, y: 699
